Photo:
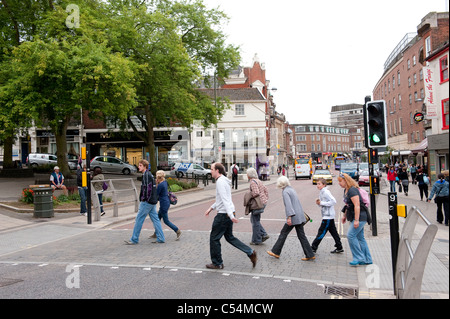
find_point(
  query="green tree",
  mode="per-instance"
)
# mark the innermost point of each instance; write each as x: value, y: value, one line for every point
x: 63, y: 70
x: 174, y: 43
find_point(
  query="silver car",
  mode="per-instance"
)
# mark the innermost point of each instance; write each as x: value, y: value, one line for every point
x: 38, y: 159
x: 110, y: 164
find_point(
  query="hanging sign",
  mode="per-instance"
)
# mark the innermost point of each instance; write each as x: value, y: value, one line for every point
x: 419, y: 117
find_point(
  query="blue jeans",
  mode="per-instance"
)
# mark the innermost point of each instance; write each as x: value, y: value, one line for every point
x: 82, y: 191
x: 358, y: 244
x: 144, y: 210
x: 164, y: 214
x: 392, y: 183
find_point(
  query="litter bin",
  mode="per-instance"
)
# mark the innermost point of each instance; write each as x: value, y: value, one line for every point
x: 43, y: 202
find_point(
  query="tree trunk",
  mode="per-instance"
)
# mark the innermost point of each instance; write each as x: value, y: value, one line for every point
x: 61, y: 147
x: 7, y: 151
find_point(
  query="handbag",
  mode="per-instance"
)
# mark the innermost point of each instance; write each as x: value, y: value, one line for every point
x: 308, y: 219
x: 173, y: 198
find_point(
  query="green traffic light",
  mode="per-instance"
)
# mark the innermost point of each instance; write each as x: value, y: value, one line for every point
x: 376, y: 138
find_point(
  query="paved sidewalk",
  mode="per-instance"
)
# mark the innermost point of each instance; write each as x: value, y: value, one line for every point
x: 67, y: 238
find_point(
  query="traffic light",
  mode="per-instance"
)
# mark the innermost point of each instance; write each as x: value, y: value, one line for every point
x: 375, y: 118
x: 373, y: 156
x: 374, y: 185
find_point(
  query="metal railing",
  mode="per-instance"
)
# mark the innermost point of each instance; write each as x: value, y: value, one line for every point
x: 411, y: 264
x: 123, y: 191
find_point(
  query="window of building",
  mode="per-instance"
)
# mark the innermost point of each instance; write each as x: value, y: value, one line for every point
x: 443, y: 64
x: 445, y: 114
x: 300, y: 138
x: 393, y: 82
x: 409, y: 64
x: 409, y: 81
x: 427, y: 46
x: 421, y: 74
x: 410, y: 99
x: 414, y: 60
x: 300, y: 129
x: 399, y: 102
x: 398, y: 78
x: 239, y: 109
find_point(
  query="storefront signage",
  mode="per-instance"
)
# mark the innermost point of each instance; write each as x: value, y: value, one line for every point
x: 430, y: 91
x: 419, y: 117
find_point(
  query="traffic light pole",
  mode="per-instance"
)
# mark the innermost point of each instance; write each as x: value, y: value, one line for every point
x: 373, y: 208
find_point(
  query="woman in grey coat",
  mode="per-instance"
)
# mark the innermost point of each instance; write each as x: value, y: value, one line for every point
x: 295, y: 218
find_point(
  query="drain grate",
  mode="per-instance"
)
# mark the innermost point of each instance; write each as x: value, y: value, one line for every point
x: 345, y: 292
x: 7, y: 282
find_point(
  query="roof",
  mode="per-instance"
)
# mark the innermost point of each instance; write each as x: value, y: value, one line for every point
x: 240, y: 94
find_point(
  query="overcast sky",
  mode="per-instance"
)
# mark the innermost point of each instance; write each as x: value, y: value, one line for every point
x: 321, y: 53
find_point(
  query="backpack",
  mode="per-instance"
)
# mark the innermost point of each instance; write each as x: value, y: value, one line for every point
x: 426, y: 180
x: 235, y: 171
x: 365, y: 197
x: 173, y: 198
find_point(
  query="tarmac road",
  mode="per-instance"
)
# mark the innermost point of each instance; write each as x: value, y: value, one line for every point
x: 31, y: 249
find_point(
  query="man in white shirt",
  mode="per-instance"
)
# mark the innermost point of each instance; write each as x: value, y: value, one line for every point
x: 223, y: 222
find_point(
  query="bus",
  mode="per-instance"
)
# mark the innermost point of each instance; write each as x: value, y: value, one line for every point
x: 303, y: 167
x: 338, y: 160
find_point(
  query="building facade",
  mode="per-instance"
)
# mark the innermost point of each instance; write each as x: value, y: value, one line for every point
x: 402, y: 86
x: 321, y: 141
x: 351, y: 116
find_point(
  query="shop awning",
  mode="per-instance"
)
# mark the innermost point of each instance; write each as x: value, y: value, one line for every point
x: 422, y: 148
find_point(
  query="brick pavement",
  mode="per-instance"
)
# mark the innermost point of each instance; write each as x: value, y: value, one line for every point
x: 68, y: 239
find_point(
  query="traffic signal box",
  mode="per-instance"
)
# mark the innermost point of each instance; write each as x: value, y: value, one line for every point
x: 374, y: 185
x: 373, y: 156
x: 375, y: 118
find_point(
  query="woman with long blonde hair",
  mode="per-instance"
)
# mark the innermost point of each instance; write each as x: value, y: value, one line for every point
x: 162, y: 189
x: 356, y: 213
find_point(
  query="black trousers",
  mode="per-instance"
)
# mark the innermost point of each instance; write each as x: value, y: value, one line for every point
x: 327, y: 225
x: 223, y: 226
x: 301, y: 236
x: 234, y: 181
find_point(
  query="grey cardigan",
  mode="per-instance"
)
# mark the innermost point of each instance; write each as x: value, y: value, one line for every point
x: 292, y: 206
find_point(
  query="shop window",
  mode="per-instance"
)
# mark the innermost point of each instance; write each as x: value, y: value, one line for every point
x: 443, y: 64
x: 445, y: 115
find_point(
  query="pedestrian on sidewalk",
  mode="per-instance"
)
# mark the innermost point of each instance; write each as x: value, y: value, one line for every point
x: 391, y: 176
x: 326, y: 202
x: 82, y: 190
x: 403, y: 177
x: 422, y: 183
x: 257, y: 189
x: 234, y: 175
x: 98, y: 186
x: 356, y: 213
x: 149, y: 198
x: 162, y: 189
x: 295, y: 218
x: 223, y: 222
x: 441, y: 190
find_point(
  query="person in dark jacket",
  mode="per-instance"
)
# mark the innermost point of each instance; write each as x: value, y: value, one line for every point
x: 403, y: 177
x: 441, y: 190
x: 149, y: 198
x: 423, y: 186
x: 164, y: 203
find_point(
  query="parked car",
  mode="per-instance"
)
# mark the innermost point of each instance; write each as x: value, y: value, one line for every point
x: 39, y: 159
x: 181, y: 169
x: 364, y: 178
x: 110, y: 164
x: 322, y: 173
x: 365, y: 167
x: 351, y: 169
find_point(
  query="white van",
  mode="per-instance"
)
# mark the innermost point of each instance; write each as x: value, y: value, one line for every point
x: 302, y: 168
x: 180, y: 169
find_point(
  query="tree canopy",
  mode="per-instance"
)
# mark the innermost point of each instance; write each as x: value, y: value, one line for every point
x: 125, y: 59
